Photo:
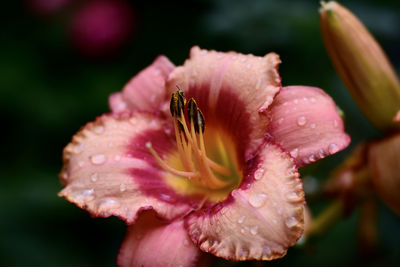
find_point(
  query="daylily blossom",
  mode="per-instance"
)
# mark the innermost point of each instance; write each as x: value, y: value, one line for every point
x: 203, y: 158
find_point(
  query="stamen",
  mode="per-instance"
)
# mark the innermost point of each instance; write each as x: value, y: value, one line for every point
x: 167, y: 167
x: 191, y: 146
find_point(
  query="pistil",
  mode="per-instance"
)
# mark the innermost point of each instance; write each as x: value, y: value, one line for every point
x: 198, y: 168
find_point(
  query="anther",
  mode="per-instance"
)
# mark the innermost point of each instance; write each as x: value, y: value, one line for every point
x: 199, y: 123
x: 191, y: 109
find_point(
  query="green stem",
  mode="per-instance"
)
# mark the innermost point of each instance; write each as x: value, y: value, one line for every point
x: 327, y: 218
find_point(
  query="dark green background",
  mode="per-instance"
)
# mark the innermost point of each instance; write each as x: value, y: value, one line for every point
x: 48, y: 91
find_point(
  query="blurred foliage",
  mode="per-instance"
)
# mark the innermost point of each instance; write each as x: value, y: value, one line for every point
x: 48, y: 91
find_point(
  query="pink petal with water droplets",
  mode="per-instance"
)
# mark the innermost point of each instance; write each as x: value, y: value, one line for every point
x: 98, y: 163
x: 146, y: 90
x: 261, y: 219
x: 384, y: 158
x: 232, y: 90
x: 151, y: 242
x: 306, y: 123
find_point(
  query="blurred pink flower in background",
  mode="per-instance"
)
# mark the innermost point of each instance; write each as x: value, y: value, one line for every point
x: 101, y: 28
x: 46, y: 7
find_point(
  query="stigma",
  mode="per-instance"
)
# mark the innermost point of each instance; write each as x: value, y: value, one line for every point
x: 189, y: 134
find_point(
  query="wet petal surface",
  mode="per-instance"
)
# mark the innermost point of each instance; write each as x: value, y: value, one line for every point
x: 98, y: 164
x: 146, y: 90
x: 232, y: 90
x: 261, y: 219
x: 151, y: 242
x: 306, y: 123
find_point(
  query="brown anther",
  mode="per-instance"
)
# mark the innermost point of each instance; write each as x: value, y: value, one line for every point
x: 191, y: 109
x: 199, y: 123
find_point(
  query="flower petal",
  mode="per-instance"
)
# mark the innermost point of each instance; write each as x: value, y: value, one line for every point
x: 146, y: 90
x: 98, y: 166
x: 305, y: 122
x: 150, y: 242
x: 261, y: 219
x: 384, y: 158
x: 232, y: 90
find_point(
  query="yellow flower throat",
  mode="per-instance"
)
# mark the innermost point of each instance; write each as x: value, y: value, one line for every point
x: 199, y: 169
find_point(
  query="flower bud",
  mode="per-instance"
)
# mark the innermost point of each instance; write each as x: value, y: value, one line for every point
x: 362, y: 65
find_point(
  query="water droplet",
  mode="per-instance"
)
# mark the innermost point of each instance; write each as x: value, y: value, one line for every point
x: 296, y: 101
x: 312, y: 158
x: 248, y: 65
x: 301, y: 121
x: 294, y: 153
x: 266, y: 250
x: 321, y: 153
x: 257, y: 200
x: 81, y: 163
x: 280, y: 121
x: 166, y: 197
x: 64, y: 175
x: 86, y: 195
x: 122, y: 187
x: 258, y: 85
x: 244, y: 229
x: 99, y: 129
x: 78, y: 149
x: 254, y: 230
x: 293, y: 195
x: 313, y: 125
x: 186, y: 242
x: 333, y: 148
x: 117, y: 157
x: 108, y: 204
x: 291, y: 221
x: 241, y: 219
x: 133, y: 120
x: 313, y: 100
x: 259, y: 174
x: 243, y: 59
x: 335, y: 123
x: 98, y: 159
x: 94, y: 177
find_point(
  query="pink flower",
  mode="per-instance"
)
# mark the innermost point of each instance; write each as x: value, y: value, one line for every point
x: 220, y: 174
x: 102, y: 28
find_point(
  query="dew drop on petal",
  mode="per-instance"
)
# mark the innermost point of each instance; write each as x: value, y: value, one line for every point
x: 64, y: 175
x: 335, y: 123
x: 81, y: 163
x: 280, y: 121
x: 258, y: 85
x: 108, y: 204
x: 117, y: 157
x: 296, y: 101
x: 291, y: 221
x: 259, y: 174
x: 241, y: 219
x: 186, y: 242
x: 312, y: 158
x: 257, y: 200
x: 254, y: 230
x: 133, y: 120
x: 333, y: 148
x: 301, y: 121
x: 94, y: 177
x: 122, y: 187
x: 313, y: 125
x: 78, y: 149
x: 99, y: 129
x: 313, y: 100
x: 98, y: 159
x: 294, y: 153
x: 266, y: 250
